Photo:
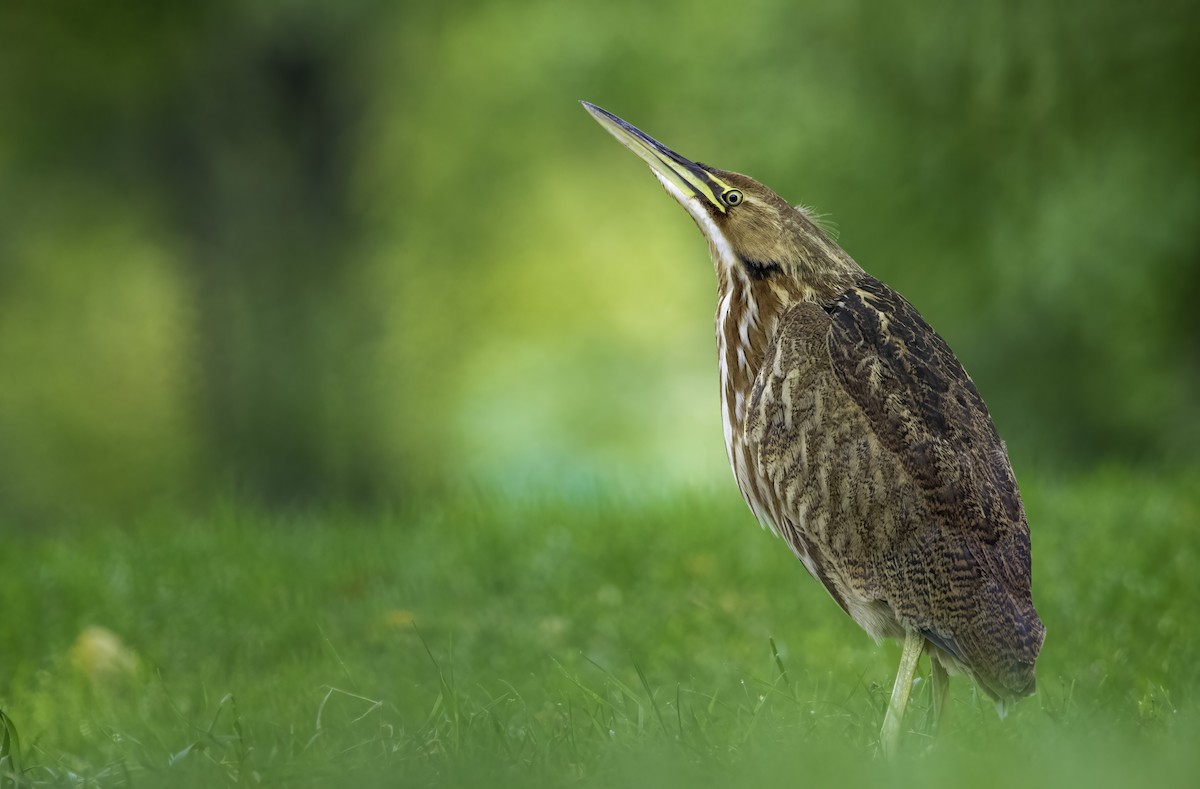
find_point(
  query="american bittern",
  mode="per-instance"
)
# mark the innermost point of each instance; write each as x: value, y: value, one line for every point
x: 856, y: 435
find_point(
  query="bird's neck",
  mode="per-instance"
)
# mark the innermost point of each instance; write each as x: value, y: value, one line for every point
x: 748, y: 314
x: 749, y: 310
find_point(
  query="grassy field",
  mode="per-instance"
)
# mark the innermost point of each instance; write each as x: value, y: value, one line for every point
x: 605, y: 640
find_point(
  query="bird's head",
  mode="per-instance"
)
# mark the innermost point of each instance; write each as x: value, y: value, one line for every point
x: 751, y: 230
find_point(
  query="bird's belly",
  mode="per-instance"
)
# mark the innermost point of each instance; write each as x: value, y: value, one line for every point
x: 831, y: 494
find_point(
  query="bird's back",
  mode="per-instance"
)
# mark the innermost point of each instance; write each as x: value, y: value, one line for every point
x: 876, y: 458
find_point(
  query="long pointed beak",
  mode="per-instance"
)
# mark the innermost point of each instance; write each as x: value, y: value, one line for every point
x: 686, y: 175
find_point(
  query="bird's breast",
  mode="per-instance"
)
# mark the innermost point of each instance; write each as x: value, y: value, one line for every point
x: 747, y: 317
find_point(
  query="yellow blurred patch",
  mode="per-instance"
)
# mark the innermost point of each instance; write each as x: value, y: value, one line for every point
x: 399, y: 617
x: 553, y: 627
x: 700, y: 565
x: 99, y: 654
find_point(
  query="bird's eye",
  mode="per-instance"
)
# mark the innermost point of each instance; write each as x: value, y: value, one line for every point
x: 732, y: 197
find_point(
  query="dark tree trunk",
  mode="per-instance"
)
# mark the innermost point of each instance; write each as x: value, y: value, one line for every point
x: 259, y: 150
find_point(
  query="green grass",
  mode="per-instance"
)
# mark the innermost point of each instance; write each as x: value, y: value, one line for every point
x: 598, y: 641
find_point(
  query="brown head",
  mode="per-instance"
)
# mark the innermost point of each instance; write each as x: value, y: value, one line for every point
x: 752, y: 232
x: 767, y: 254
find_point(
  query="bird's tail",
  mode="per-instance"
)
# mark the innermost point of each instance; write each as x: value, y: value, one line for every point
x: 1006, y: 671
x: 1000, y: 655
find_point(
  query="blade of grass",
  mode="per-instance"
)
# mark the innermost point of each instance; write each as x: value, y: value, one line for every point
x: 650, y: 694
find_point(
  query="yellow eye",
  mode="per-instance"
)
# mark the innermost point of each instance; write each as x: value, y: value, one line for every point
x: 732, y: 197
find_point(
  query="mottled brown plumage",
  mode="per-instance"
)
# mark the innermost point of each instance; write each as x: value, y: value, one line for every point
x: 855, y: 434
x: 886, y: 469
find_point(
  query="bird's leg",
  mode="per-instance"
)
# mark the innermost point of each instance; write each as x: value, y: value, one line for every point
x: 941, y: 689
x: 889, y: 736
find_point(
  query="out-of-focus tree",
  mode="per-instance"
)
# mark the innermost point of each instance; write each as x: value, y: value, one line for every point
x: 232, y: 128
x: 253, y: 153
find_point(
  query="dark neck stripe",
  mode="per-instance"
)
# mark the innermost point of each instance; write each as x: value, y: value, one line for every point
x: 759, y: 270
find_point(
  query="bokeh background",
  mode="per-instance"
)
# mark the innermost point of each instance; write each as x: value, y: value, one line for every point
x: 359, y: 252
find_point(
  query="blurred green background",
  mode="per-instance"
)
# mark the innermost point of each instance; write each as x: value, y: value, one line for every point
x: 324, y: 321
x: 359, y: 251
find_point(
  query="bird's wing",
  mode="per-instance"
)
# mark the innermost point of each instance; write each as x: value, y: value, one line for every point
x: 924, y: 408
x: 886, y: 469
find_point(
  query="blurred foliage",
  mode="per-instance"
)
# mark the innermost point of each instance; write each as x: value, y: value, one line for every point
x: 312, y: 250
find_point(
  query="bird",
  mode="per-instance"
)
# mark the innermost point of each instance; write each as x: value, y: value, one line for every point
x: 855, y: 434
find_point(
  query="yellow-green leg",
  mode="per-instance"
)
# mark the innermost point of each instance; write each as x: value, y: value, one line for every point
x: 889, y: 736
